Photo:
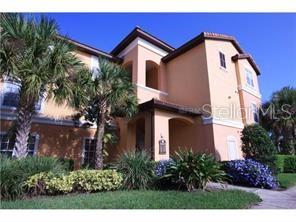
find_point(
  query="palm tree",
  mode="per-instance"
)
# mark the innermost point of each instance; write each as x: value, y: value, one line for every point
x: 34, y: 56
x: 103, y: 95
x: 281, y: 119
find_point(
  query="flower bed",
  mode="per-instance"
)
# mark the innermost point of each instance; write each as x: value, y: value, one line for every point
x: 250, y: 173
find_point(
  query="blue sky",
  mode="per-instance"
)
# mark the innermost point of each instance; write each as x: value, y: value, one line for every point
x: 270, y: 38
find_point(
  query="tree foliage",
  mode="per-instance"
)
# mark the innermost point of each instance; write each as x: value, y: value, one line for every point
x: 35, y: 57
x: 257, y: 145
x: 278, y: 117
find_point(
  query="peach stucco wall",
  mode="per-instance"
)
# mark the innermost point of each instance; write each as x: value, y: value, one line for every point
x: 58, y: 141
x: 247, y: 98
x: 223, y: 83
x: 221, y: 133
x: 190, y: 134
x: 138, y: 56
x: 187, y: 78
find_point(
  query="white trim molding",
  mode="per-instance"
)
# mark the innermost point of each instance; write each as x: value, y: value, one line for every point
x: 145, y: 44
x: 46, y: 120
x: 250, y: 91
x: 223, y: 122
x: 152, y: 90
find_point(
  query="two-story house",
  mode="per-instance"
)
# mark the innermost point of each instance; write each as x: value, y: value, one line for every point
x: 197, y: 96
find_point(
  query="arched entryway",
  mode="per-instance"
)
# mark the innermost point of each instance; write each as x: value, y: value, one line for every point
x: 181, y: 134
x: 152, y: 72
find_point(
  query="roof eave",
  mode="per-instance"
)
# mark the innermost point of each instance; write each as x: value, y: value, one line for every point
x: 250, y: 60
x: 198, y: 40
x: 137, y: 32
x: 157, y: 104
x: 91, y: 50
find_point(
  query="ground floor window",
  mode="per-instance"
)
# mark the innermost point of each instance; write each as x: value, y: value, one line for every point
x: 8, y: 143
x: 89, y: 152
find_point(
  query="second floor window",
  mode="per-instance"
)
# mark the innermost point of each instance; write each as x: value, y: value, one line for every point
x: 94, y: 65
x: 255, y: 113
x: 10, y: 95
x: 249, y: 78
x: 222, y: 60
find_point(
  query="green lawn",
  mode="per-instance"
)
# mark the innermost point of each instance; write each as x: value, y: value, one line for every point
x: 140, y: 200
x: 287, y: 179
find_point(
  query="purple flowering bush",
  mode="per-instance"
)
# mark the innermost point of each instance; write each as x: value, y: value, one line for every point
x: 250, y: 173
x: 162, y: 182
x: 162, y: 166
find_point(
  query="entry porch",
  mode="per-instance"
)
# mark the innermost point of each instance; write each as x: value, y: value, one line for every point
x: 160, y: 128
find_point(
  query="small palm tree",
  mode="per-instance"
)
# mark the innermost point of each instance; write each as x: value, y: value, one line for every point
x: 103, y: 95
x: 281, y: 119
x: 33, y: 56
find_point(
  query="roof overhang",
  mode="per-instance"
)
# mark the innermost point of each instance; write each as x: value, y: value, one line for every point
x: 157, y: 104
x: 250, y: 60
x: 91, y: 50
x: 139, y: 33
x: 200, y: 39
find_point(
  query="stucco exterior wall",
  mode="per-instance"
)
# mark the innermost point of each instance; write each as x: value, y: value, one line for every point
x: 58, y: 141
x: 187, y: 78
x: 223, y: 83
x: 221, y: 133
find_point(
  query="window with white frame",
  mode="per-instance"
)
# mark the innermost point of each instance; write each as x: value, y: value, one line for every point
x: 255, y: 112
x: 249, y: 78
x: 7, y: 145
x: 10, y: 95
x: 222, y: 60
x: 89, y: 152
x: 94, y: 66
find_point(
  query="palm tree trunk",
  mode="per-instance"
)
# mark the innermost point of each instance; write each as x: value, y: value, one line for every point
x: 99, y: 137
x: 25, y: 112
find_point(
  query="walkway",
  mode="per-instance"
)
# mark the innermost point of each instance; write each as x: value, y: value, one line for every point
x: 270, y: 199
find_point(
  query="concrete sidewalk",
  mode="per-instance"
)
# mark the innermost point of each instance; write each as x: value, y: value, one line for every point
x: 271, y: 199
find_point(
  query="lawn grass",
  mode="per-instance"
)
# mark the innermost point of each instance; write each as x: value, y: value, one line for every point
x: 287, y: 179
x: 233, y: 199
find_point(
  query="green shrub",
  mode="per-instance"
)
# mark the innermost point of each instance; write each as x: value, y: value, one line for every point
x: 257, y: 145
x: 68, y: 163
x: 137, y: 169
x: 96, y: 180
x: 290, y: 164
x: 80, y: 181
x: 195, y: 170
x: 14, y: 172
x: 280, y: 159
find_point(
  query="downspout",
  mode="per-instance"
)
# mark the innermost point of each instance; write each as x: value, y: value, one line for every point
x: 152, y: 134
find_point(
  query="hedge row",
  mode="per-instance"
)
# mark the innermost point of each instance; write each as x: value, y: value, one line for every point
x: 75, y: 181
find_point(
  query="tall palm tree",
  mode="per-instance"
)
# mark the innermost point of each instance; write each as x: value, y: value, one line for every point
x: 281, y: 119
x: 33, y: 56
x: 103, y: 95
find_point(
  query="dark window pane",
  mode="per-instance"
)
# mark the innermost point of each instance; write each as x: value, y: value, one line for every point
x: 11, y: 99
x: 7, y: 145
x: 222, y: 60
x: 89, y: 153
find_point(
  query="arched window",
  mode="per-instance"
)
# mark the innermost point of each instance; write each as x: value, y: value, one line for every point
x: 152, y: 70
